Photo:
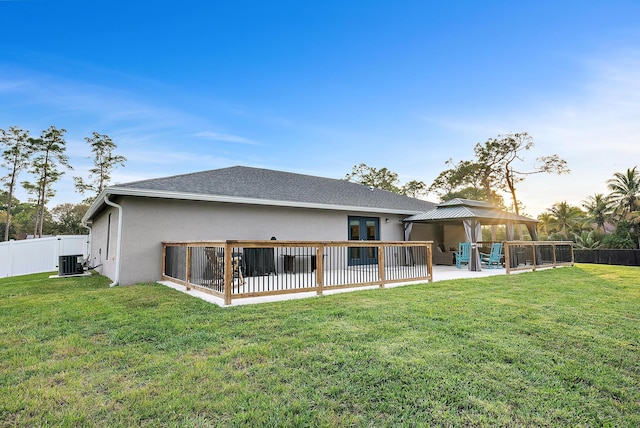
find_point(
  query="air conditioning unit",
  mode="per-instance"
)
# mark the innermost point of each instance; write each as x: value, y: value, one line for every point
x: 70, y: 265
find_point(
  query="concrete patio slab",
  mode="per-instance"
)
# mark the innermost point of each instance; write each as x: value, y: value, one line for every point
x: 440, y: 273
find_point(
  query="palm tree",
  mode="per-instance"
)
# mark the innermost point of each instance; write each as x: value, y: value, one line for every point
x: 545, y: 224
x: 599, y: 209
x: 587, y: 241
x: 634, y: 220
x: 566, y: 218
x: 625, y: 191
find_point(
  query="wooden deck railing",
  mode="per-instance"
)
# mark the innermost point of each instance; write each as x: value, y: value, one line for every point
x: 531, y: 255
x: 238, y: 269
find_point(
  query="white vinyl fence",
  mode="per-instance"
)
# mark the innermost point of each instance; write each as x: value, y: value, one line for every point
x: 39, y: 255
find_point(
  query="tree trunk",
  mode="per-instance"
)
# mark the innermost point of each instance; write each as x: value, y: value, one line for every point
x: 9, y: 203
x: 36, y: 216
x: 43, y: 193
x: 512, y: 189
x: 40, y: 207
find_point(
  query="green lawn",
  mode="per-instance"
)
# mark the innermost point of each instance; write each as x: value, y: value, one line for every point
x: 551, y: 348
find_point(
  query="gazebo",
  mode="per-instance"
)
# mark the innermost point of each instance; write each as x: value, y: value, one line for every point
x: 472, y: 214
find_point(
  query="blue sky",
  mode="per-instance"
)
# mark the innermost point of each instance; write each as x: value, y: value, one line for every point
x: 317, y: 87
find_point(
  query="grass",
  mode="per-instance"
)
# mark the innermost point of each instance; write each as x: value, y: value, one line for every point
x: 550, y: 348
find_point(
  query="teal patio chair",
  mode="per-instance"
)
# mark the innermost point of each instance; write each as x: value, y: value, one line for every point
x: 463, y: 254
x: 492, y: 260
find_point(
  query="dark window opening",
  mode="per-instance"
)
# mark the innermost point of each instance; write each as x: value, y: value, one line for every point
x: 363, y: 229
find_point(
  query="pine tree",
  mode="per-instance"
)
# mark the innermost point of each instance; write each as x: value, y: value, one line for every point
x: 15, y: 155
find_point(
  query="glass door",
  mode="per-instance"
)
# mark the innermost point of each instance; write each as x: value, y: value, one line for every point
x: 363, y: 229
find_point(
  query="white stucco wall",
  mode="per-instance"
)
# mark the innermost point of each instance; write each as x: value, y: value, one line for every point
x: 101, y: 254
x: 423, y: 232
x: 148, y: 221
x: 453, y: 234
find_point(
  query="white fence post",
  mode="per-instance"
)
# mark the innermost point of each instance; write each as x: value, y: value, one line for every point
x: 6, y: 262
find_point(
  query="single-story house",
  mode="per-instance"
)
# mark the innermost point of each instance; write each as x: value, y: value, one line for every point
x: 129, y: 221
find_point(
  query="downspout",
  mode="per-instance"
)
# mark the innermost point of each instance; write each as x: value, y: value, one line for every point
x: 86, y: 226
x: 116, y: 280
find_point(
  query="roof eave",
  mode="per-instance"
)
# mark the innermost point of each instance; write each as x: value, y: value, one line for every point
x: 148, y: 193
x: 459, y: 219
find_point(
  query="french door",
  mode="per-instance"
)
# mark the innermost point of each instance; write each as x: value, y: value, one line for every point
x: 363, y: 229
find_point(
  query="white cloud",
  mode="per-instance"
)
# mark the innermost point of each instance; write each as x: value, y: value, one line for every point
x: 227, y: 138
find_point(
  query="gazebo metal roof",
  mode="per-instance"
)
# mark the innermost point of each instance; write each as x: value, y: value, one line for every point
x: 458, y: 209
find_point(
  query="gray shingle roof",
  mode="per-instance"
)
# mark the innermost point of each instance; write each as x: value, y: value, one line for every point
x: 467, y: 202
x: 269, y: 185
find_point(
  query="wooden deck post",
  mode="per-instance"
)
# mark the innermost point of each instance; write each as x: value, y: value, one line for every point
x: 572, y: 255
x: 533, y: 257
x: 319, y: 268
x: 228, y: 273
x: 164, y: 259
x: 430, y: 261
x: 187, y: 268
x: 381, y: 262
